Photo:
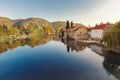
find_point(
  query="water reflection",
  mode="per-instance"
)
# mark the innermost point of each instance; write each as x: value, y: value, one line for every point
x: 73, y: 45
x: 55, y: 63
x: 112, y: 63
x: 30, y: 41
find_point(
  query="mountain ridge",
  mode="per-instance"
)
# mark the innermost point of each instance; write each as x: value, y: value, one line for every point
x: 36, y: 21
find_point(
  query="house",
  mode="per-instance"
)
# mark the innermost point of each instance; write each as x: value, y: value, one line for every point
x: 77, y: 32
x: 98, y: 30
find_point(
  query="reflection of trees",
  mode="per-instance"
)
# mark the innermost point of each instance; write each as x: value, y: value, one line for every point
x: 23, y: 42
x: 112, y: 64
x: 31, y: 41
x: 111, y: 61
x: 68, y: 48
x: 56, y: 38
x: 38, y: 40
x: 13, y: 44
x: 3, y: 48
x: 74, y: 45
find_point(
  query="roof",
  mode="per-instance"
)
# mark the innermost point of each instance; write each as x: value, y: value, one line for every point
x: 101, y: 26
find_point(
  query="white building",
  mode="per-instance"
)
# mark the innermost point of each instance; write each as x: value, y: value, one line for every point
x: 98, y: 30
x: 97, y: 33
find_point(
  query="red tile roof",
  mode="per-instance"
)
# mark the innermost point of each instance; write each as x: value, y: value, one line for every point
x: 101, y: 26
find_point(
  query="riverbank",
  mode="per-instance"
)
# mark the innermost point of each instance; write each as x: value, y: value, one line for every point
x: 90, y: 42
x: 4, y: 39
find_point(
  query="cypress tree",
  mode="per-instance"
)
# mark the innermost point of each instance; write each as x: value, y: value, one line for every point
x: 72, y: 24
x: 67, y: 25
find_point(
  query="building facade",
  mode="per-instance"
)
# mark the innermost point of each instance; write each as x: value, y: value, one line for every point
x: 98, y: 31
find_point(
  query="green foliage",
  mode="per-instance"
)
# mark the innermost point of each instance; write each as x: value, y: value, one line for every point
x: 31, y: 41
x: 22, y: 31
x: 67, y: 25
x: 21, y: 28
x: 116, y: 26
x: 13, y: 31
x: 48, y: 30
x: 71, y: 24
x: 3, y: 28
x: 30, y: 29
x: 112, y: 37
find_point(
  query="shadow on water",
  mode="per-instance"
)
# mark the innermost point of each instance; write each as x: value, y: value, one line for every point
x: 112, y: 63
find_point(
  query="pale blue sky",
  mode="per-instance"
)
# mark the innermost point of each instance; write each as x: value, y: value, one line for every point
x: 81, y: 11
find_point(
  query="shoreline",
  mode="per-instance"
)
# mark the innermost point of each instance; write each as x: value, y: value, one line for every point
x: 4, y: 39
x: 90, y: 42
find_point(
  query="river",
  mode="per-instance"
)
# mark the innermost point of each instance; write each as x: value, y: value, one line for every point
x: 48, y: 58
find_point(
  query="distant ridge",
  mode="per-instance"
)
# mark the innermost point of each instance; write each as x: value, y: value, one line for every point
x: 36, y: 21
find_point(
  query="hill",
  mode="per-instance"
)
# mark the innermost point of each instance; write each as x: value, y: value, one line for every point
x: 6, y: 21
x: 62, y: 24
x: 36, y: 21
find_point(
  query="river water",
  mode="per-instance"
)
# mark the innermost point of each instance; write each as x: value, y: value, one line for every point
x: 49, y: 59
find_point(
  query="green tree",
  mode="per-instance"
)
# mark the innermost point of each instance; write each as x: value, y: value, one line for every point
x: 3, y: 30
x: 30, y: 29
x: 22, y: 30
x: 72, y: 24
x: 112, y: 37
x: 13, y: 31
x: 67, y: 25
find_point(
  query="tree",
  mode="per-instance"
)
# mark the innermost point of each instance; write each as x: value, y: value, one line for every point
x: 22, y: 29
x: 30, y: 29
x: 67, y: 25
x: 13, y: 31
x: 112, y: 37
x: 72, y: 24
x: 62, y: 32
x: 3, y: 30
x: 5, y: 27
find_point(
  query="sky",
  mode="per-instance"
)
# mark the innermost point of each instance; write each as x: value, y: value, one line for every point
x: 88, y: 12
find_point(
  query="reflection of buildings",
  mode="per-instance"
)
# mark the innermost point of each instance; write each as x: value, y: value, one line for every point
x: 97, y: 49
x: 111, y: 61
x: 112, y: 64
x: 74, y: 45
